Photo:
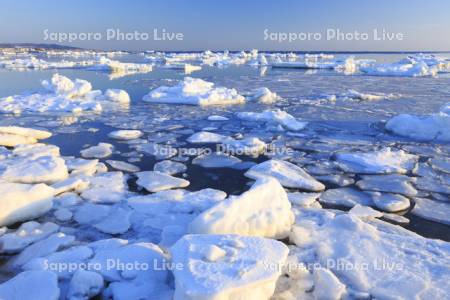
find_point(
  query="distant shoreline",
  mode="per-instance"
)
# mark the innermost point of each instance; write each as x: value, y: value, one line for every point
x: 64, y: 47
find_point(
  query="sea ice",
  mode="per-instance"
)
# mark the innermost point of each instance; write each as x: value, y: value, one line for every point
x: 384, y: 161
x: 426, y: 128
x: 36, y: 285
x: 227, y: 267
x: 43, y: 169
x: 402, y: 68
x: 21, y: 202
x: 205, y: 137
x: 194, y: 91
x: 263, y: 95
x: 64, y: 95
x: 264, y: 210
x: 288, y: 174
x: 392, y: 183
x: 102, y: 150
x: 390, y: 202
x: 216, y: 160
x: 169, y: 167
x: 395, y: 262
x: 43, y: 248
x: 117, y: 222
x: 26, y: 234
x: 365, y: 212
x: 432, y: 210
x: 217, y: 118
x: 26, y: 132
x: 154, y: 181
x: 353, y: 94
x: 125, y: 134
x: 274, y: 116
x: 123, y: 166
x: 109, y: 187
x: 251, y: 146
x: 326, y: 285
x: 303, y: 199
x: 85, y: 285
x: 346, y: 197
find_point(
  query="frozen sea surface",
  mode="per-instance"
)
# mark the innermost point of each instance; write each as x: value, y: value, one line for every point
x: 337, y: 123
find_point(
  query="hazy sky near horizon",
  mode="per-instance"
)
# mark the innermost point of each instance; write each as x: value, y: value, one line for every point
x: 232, y: 24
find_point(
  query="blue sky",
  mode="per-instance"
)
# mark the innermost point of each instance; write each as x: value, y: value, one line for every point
x: 232, y: 24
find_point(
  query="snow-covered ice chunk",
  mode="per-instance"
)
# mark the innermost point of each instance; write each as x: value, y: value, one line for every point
x: 157, y: 150
x: 91, y: 213
x: 43, y: 169
x: 227, y: 267
x: 140, y: 253
x: 123, y: 166
x: 441, y: 164
x: 21, y: 202
x: 109, y: 187
x: 251, y: 146
x: 205, y: 137
x: 85, y: 285
x: 25, y: 235
x: 43, y: 248
x: 264, y: 210
x: 194, y: 91
x: 73, y: 256
x: 353, y: 94
x: 390, y: 202
x: 401, y: 69
x: 365, y: 212
x: 36, y: 285
x: 12, y: 140
x: 102, y: 150
x: 274, y: 116
x: 116, y: 95
x: 263, y: 95
x: 303, y: 199
x: 346, y: 196
x: 400, y: 264
x: 62, y: 85
x: 117, y: 222
x: 432, y: 210
x: 154, y: 181
x: 82, y: 166
x: 125, y: 134
x: 63, y: 95
x: 176, y: 201
x: 27, y: 132
x: 427, y: 128
x: 169, y: 167
x: 119, y: 68
x: 216, y: 160
x: 217, y: 118
x: 326, y: 285
x: 63, y: 214
x: 392, y: 183
x: 186, y: 68
x: 288, y: 174
x: 384, y: 161
x: 395, y: 218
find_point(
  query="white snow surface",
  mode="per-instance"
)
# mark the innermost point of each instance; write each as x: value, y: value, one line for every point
x: 194, y: 91
x: 288, y: 174
x: 227, y: 267
x: 435, y: 127
x: 64, y: 95
x: 384, y: 161
x: 264, y: 210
